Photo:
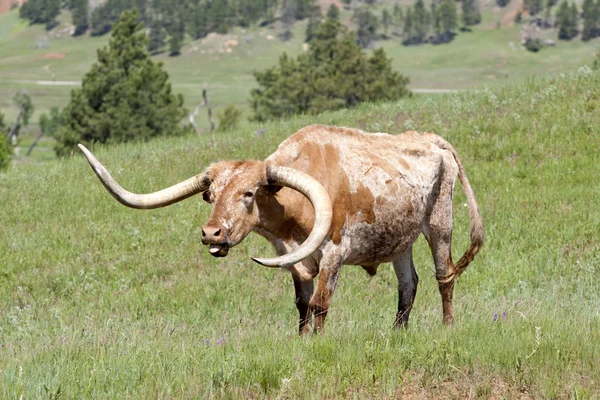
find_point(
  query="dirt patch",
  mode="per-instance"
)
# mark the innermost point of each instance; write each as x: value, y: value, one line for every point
x: 54, y: 56
x: 509, y: 17
x: 6, y: 5
x: 467, y: 387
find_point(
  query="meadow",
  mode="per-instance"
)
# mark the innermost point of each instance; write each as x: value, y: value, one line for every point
x: 102, y: 301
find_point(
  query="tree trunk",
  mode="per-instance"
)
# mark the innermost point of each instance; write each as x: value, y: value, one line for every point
x: 207, y: 104
x: 14, y: 132
x: 37, y: 139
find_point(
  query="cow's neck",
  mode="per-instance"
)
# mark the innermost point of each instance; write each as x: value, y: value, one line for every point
x: 287, y: 216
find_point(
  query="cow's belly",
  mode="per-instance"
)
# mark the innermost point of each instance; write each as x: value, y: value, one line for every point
x: 397, y: 226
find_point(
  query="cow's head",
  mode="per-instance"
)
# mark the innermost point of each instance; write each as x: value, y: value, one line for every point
x: 232, y: 188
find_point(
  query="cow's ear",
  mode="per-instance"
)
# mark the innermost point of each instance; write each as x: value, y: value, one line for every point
x: 272, y: 189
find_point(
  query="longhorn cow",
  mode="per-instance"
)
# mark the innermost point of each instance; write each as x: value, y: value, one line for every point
x: 331, y: 196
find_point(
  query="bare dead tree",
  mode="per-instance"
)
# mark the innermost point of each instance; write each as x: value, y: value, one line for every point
x: 205, y: 103
x: 37, y: 139
x: 49, y: 126
x: 23, y: 101
x: 192, y: 118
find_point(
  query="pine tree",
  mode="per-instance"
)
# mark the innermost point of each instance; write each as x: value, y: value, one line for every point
x: 534, y: 6
x: 333, y: 12
x: 470, y: 13
x: 23, y: 102
x: 80, y: 16
x: 334, y: 73
x: 416, y: 24
x: 422, y: 21
x: 125, y: 95
x: 398, y: 18
x: 199, y: 22
x: 567, y: 21
x: 367, y: 26
x: 176, y: 39
x: 157, y: 37
x: 52, y: 9
x: 303, y: 8
x: 218, y: 15
x: 287, y: 19
x: 229, y: 118
x: 4, y: 148
x: 408, y: 31
x: 101, y: 20
x: 548, y: 13
x: 445, y: 21
x: 41, y: 12
x: 591, y: 20
x: 386, y: 20
x: 314, y: 20
x: 574, y: 17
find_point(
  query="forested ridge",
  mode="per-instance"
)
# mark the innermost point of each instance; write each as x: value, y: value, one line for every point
x: 169, y: 23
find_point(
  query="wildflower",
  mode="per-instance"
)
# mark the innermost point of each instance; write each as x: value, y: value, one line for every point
x: 495, y: 316
x: 220, y: 341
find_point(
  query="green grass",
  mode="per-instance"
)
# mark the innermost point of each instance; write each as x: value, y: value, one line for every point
x: 102, y: 301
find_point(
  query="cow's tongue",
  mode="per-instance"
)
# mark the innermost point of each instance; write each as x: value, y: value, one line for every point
x: 218, y: 250
x: 215, y: 248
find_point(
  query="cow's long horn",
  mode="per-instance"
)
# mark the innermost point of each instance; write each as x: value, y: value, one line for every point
x: 162, y: 198
x: 319, y: 198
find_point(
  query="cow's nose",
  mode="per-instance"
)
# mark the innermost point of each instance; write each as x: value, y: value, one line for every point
x: 212, y: 233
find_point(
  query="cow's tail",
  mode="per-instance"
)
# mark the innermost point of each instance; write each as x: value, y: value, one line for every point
x: 476, y: 219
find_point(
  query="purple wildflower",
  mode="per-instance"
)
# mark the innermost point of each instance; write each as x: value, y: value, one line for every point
x: 495, y: 316
x: 504, y: 314
x: 220, y: 341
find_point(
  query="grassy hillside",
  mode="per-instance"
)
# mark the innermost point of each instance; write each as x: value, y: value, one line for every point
x: 101, y: 301
x: 482, y: 57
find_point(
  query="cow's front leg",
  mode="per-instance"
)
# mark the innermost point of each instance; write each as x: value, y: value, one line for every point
x: 407, y: 286
x: 304, y: 290
x: 328, y: 276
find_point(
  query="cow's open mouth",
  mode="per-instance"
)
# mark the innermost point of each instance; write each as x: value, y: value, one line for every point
x: 218, y: 250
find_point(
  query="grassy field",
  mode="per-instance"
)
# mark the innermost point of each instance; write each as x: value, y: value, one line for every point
x: 101, y: 301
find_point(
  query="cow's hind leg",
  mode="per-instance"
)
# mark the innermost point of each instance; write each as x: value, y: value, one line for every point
x: 304, y: 290
x: 407, y: 286
x: 438, y: 232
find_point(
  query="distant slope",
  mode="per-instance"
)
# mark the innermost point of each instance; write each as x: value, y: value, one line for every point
x: 488, y: 55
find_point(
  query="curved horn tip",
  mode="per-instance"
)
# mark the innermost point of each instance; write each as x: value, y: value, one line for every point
x: 257, y: 260
x: 85, y: 150
x: 267, y: 262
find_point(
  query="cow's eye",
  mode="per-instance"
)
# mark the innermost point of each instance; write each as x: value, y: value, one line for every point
x: 248, y: 195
